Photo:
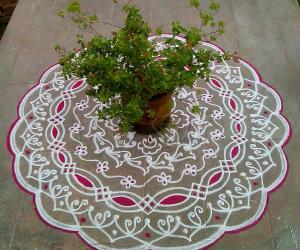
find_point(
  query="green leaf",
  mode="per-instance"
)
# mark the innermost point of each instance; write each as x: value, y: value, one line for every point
x: 194, y: 3
x: 176, y: 27
x: 213, y: 38
x: 173, y: 125
x: 221, y: 24
x: 93, y: 18
x: 221, y: 31
x: 151, y: 113
x: 57, y: 47
x: 214, y: 6
x: 61, y: 13
x: 158, y: 31
x: 74, y: 7
x: 206, y: 17
x: 193, y: 36
x: 196, y: 109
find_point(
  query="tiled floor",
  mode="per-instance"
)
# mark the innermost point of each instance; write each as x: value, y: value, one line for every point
x: 265, y: 32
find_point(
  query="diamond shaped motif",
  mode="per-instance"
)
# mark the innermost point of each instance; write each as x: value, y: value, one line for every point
x: 68, y: 168
x: 226, y: 93
x: 198, y: 191
x: 148, y: 203
x: 102, y: 193
x: 67, y: 94
x: 239, y: 138
x: 55, y: 120
x: 56, y: 145
x: 228, y: 166
x: 238, y: 117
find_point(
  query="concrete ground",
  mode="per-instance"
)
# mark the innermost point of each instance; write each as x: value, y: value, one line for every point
x: 264, y: 32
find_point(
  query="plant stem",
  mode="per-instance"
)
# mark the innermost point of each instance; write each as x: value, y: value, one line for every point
x: 142, y: 82
x: 114, y: 25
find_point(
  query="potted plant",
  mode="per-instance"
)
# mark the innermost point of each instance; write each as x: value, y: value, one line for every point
x: 129, y: 75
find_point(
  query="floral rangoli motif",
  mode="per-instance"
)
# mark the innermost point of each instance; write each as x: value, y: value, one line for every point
x: 183, y: 187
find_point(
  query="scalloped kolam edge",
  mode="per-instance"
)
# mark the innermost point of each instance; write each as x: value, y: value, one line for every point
x: 85, y: 238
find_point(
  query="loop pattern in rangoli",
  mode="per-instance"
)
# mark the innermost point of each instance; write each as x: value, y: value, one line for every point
x: 185, y: 186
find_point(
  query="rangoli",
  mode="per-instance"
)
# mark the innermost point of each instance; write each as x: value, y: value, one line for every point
x: 184, y: 187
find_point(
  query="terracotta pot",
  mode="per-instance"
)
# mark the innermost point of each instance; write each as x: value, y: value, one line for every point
x: 162, y: 106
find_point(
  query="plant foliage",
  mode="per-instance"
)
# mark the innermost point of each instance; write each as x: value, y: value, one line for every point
x: 126, y: 71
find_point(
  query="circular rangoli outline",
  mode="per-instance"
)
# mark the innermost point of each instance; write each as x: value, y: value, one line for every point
x: 204, y: 243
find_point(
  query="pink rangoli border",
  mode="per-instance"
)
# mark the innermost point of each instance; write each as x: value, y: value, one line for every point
x: 77, y: 232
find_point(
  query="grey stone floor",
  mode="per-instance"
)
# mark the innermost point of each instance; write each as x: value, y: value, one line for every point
x: 265, y: 32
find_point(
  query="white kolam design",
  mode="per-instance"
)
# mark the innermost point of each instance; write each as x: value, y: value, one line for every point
x: 184, y: 187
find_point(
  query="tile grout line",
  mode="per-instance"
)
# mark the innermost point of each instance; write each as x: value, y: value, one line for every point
x: 112, y: 13
x: 270, y: 228
x: 236, y: 29
x: 20, y: 83
x: 21, y: 199
x: 23, y: 38
x: 151, y: 13
x: 285, y: 53
x: 16, y: 222
x: 281, y: 38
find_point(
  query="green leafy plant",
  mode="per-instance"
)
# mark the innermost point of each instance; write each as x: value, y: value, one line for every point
x: 126, y: 71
